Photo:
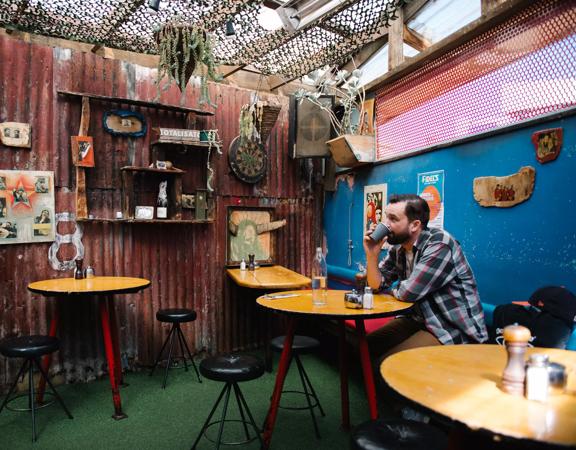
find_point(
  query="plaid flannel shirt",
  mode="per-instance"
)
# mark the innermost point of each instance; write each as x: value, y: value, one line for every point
x: 442, y: 284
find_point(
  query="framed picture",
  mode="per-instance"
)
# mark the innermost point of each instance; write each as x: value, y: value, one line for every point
x: 375, y: 199
x: 144, y: 212
x: 82, y: 151
x: 161, y: 165
x: 248, y: 233
x: 26, y: 207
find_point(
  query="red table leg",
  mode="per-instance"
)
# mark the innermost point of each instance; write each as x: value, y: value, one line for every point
x: 343, y: 358
x: 111, y: 357
x: 367, y: 369
x: 47, y: 360
x: 115, y: 339
x: 280, y: 377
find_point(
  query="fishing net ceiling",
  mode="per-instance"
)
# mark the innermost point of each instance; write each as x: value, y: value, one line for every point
x: 131, y: 25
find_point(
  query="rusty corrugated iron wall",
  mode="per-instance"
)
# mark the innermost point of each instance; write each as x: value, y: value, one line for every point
x: 186, y: 263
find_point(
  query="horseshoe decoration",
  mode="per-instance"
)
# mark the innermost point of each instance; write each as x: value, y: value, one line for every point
x: 74, y: 238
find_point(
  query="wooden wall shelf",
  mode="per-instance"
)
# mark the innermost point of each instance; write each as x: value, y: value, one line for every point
x: 137, y: 221
x: 153, y: 170
x: 129, y: 101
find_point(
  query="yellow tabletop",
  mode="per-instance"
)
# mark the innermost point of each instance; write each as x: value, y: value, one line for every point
x: 301, y: 303
x: 461, y: 382
x: 95, y: 285
x: 269, y: 277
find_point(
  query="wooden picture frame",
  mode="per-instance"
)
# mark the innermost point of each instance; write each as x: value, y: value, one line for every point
x: 245, y: 234
x: 144, y: 213
x: 82, y: 151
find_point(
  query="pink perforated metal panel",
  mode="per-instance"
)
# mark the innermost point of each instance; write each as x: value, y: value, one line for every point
x: 520, y: 69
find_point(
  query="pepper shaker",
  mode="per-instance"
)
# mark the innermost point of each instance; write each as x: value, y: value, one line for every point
x: 516, y: 339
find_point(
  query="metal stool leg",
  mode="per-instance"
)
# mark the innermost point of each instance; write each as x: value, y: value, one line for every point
x: 169, y: 357
x: 180, y: 337
x: 45, y: 376
x: 13, y: 387
x: 307, y: 395
x: 31, y: 399
x: 191, y: 358
x: 258, y: 431
x: 161, y: 351
x: 312, y: 390
x: 236, y: 388
x: 209, y: 417
x: 223, y: 419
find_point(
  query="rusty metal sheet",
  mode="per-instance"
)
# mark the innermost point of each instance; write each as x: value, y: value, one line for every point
x: 185, y: 263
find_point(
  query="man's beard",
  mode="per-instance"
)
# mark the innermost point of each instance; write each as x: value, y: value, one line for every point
x: 398, y: 238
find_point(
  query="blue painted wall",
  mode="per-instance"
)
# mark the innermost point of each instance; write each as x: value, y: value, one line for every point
x: 512, y: 251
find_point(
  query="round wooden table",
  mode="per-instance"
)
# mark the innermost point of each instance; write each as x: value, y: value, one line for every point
x: 462, y: 383
x: 104, y: 288
x: 299, y: 303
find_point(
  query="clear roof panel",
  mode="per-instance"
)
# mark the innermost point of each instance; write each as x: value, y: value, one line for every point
x: 377, y: 65
x: 441, y: 18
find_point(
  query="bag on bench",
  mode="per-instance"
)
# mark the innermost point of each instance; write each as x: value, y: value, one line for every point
x: 549, y: 317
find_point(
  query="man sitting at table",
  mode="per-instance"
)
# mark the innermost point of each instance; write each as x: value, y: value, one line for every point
x: 432, y: 272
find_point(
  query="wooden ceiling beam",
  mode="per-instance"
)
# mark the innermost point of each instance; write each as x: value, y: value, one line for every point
x: 415, y: 39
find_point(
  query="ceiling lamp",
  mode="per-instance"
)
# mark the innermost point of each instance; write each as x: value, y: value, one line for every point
x: 230, y: 32
x: 269, y: 19
x: 154, y: 4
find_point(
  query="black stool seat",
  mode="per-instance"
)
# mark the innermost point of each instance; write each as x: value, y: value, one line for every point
x: 397, y: 434
x: 176, y: 315
x: 300, y: 344
x: 28, y: 346
x: 232, y: 368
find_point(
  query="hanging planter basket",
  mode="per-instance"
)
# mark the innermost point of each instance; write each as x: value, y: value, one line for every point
x: 184, y: 49
x: 269, y: 116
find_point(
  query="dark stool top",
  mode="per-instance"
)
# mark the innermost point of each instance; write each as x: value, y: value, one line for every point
x: 301, y: 344
x: 232, y: 367
x: 176, y: 315
x: 397, y: 434
x: 28, y: 346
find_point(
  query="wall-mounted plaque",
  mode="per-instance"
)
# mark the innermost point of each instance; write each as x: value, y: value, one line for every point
x: 123, y: 122
x: 15, y: 134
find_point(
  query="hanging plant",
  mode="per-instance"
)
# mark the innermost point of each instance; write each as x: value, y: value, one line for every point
x: 184, y: 50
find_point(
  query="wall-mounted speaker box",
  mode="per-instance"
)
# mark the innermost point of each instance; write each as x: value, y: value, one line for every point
x: 310, y: 128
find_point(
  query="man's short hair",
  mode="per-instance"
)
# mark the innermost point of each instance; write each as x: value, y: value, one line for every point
x: 416, y: 207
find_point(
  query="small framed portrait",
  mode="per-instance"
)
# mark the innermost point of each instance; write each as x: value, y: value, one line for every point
x: 8, y: 230
x: 188, y: 201
x: 2, y: 207
x: 144, y: 212
x: 82, y: 151
x: 161, y: 165
x: 2, y: 183
x: 41, y: 185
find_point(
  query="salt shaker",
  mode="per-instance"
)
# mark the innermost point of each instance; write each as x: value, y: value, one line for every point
x: 368, y: 299
x: 537, y: 380
x: 243, y: 264
x: 89, y: 272
x: 516, y: 338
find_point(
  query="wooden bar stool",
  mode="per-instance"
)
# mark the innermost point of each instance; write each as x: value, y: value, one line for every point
x: 175, y: 316
x: 231, y: 369
x: 301, y: 345
x: 31, y: 348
